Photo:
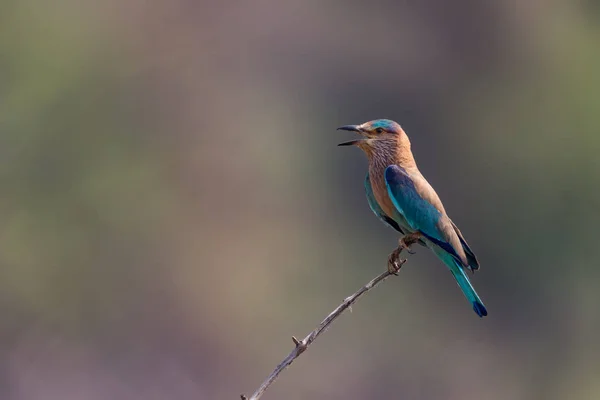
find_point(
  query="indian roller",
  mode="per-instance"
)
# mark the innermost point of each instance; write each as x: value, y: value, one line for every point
x: 402, y: 198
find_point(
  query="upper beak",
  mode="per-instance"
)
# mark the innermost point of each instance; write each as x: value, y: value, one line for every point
x: 352, y: 128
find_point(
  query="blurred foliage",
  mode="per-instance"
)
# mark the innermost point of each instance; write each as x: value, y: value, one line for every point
x: 174, y: 207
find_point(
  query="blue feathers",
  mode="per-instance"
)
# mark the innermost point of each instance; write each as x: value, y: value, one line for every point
x: 479, y: 309
x: 419, y: 213
x: 386, y: 124
x: 463, y: 282
x: 444, y: 245
x: 424, y: 218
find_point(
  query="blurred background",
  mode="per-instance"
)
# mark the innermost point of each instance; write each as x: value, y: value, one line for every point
x: 174, y: 207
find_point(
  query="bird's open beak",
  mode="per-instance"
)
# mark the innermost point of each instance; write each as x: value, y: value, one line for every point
x: 351, y: 128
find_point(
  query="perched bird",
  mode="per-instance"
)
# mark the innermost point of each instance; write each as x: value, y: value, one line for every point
x: 402, y: 198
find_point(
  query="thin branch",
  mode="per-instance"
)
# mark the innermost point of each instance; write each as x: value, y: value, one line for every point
x: 302, y: 345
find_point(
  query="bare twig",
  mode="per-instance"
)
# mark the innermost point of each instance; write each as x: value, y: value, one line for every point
x: 302, y: 345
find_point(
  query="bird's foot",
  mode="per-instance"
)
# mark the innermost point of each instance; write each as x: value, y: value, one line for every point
x: 394, y: 261
x: 408, y: 240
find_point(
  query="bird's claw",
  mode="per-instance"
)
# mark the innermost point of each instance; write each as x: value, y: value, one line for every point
x: 407, y: 241
x: 394, y: 261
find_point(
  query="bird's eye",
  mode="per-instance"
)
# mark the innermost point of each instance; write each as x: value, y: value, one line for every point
x: 379, y: 130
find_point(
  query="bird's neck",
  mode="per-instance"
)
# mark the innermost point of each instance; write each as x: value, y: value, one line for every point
x: 393, y: 151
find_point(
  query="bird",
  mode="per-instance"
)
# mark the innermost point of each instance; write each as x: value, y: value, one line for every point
x: 400, y: 196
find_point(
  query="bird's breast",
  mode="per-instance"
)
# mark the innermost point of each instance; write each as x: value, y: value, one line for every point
x: 376, y: 175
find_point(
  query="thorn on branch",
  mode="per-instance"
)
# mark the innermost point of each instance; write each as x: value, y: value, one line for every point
x: 299, y: 344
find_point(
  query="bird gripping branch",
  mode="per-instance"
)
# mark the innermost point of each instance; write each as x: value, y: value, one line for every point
x: 402, y: 198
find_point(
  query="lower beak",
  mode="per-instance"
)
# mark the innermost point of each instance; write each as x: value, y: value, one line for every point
x: 350, y: 143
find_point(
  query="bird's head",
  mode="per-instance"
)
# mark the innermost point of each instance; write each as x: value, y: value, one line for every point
x: 379, y: 134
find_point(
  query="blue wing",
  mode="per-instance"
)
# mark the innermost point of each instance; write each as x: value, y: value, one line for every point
x: 377, y: 209
x: 420, y: 214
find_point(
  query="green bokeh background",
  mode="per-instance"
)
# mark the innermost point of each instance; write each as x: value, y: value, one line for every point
x: 173, y: 207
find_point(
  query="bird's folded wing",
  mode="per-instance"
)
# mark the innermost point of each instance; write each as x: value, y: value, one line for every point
x: 420, y: 214
x: 471, y: 257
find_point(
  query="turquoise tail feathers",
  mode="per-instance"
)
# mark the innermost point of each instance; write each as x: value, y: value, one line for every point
x: 463, y: 281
